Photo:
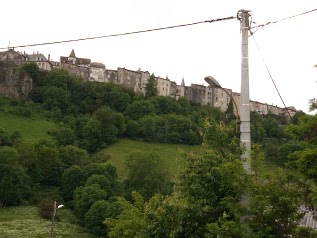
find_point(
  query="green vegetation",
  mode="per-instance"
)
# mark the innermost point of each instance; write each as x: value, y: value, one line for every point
x: 169, y: 153
x: 149, y: 166
x: 24, y: 222
x: 31, y: 128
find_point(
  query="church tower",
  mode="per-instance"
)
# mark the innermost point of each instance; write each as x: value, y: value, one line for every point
x: 72, y: 57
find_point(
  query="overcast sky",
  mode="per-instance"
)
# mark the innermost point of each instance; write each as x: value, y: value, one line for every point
x: 288, y: 47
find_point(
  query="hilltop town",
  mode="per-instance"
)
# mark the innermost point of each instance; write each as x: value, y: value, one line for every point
x: 137, y: 79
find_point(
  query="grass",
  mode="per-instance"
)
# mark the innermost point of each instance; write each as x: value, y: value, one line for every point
x: 31, y: 128
x: 167, y: 152
x: 25, y: 222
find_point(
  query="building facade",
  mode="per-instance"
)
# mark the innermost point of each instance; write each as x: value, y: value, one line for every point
x: 137, y: 80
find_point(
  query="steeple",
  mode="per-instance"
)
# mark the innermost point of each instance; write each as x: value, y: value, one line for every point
x: 72, y: 54
x: 183, y: 82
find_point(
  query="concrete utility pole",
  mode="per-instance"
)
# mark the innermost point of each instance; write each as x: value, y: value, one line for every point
x: 245, y: 135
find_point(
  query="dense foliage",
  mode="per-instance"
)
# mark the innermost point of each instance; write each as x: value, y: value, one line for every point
x: 203, y: 201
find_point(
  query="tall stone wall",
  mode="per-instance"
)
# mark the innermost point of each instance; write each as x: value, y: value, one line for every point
x: 14, y: 82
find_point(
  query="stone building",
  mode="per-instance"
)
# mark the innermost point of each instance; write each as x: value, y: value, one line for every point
x: 112, y: 76
x: 76, y: 66
x: 163, y: 86
x: 97, y: 72
x: 12, y: 57
x: 288, y: 110
x: 145, y: 76
x: 42, y: 62
x: 129, y: 79
x: 198, y: 93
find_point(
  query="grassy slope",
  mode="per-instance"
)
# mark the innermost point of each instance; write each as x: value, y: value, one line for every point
x: 169, y: 153
x: 24, y: 222
x: 32, y: 128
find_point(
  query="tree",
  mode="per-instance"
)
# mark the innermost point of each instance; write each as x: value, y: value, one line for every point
x: 85, y: 197
x: 73, y: 155
x: 165, y: 105
x: 151, y: 87
x: 132, y: 129
x: 312, y: 104
x: 102, y: 181
x: 33, y: 70
x: 8, y: 155
x: 97, y: 214
x: 119, y: 100
x: 64, y: 136
x: 130, y: 221
x: 147, y: 128
x: 146, y: 174
x: 15, y: 185
x: 72, y: 178
x: 139, y: 109
x: 50, y: 165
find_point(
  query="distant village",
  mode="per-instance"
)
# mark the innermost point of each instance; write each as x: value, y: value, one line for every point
x: 137, y: 79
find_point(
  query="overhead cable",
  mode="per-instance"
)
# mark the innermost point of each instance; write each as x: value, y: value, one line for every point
x: 123, y: 34
x: 258, y: 27
x: 267, y: 69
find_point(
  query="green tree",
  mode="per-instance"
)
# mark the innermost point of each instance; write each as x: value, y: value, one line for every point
x: 85, y: 197
x: 4, y: 138
x: 165, y: 105
x: 72, y: 178
x: 146, y: 174
x: 151, y: 87
x: 96, y: 215
x: 139, y: 109
x: 15, y: 185
x: 8, y: 155
x: 147, y: 128
x: 64, y: 136
x: 130, y: 221
x: 102, y: 181
x: 313, y: 104
x: 119, y: 100
x: 132, y: 129
x: 73, y: 155
x: 33, y: 70
x: 50, y: 165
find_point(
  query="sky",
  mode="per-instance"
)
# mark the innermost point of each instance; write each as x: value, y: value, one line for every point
x: 288, y: 48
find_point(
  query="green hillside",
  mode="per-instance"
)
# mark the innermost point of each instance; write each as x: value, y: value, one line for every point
x: 25, y: 222
x: 32, y: 128
x: 167, y: 152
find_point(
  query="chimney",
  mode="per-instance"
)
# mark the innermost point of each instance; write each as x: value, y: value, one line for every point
x: 49, y: 57
x: 37, y: 53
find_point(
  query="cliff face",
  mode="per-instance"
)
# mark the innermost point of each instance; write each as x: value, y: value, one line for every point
x: 14, y: 82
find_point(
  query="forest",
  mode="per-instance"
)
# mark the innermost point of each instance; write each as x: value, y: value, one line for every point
x: 71, y: 165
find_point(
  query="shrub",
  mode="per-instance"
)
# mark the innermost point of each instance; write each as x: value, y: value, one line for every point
x: 46, y: 208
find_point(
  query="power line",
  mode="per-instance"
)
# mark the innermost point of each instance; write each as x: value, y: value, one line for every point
x: 124, y: 34
x: 267, y: 69
x: 258, y: 27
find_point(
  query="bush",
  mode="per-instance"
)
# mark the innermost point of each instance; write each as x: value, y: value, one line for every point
x: 23, y: 111
x: 46, y: 208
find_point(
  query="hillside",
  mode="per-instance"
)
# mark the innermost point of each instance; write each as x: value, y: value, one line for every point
x: 31, y: 128
x: 167, y: 152
x: 25, y: 222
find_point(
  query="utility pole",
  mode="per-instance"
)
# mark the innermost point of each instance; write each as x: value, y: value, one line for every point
x: 245, y: 131
x: 53, y: 221
x: 245, y: 135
